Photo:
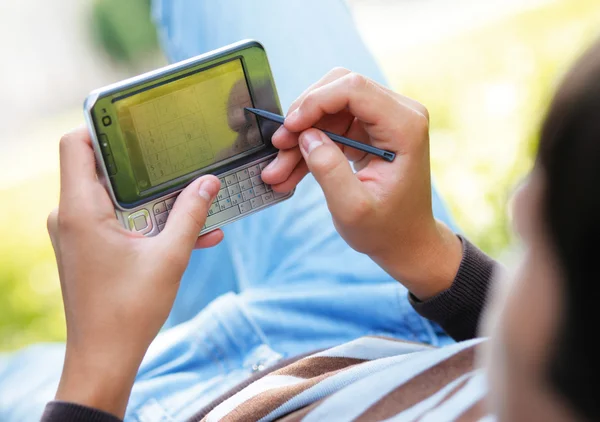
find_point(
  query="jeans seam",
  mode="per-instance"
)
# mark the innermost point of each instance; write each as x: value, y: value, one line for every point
x: 258, y: 332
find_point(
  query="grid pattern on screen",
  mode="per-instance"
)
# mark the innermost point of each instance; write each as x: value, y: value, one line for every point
x: 172, y: 128
x: 172, y: 134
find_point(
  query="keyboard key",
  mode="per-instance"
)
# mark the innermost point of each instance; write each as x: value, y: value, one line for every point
x: 161, y: 227
x: 268, y: 197
x: 237, y: 199
x: 259, y: 190
x: 246, y: 184
x: 161, y: 218
x: 140, y: 223
x: 170, y: 202
x: 242, y: 175
x: 214, y: 208
x: 278, y: 195
x: 231, y: 180
x: 224, y: 204
x: 233, y: 189
x: 256, y: 202
x: 222, y: 216
x: 245, y: 207
x: 248, y: 194
x: 268, y: 188
x: 160, y: 208
x: 223, y: 182
x: 256, y: 180
x: 254, y: 170
x: 264, y: 164
x: 223, y: 193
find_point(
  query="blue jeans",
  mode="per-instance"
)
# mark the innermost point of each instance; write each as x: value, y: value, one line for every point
x: 282, y: 282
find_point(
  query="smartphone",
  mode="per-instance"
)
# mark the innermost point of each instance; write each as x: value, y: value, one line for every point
x: 155, y: 133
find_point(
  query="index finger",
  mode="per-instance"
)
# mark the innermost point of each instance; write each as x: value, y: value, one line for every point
x: 332, y: 75
x: 284, y: 139
x: 363, y: 98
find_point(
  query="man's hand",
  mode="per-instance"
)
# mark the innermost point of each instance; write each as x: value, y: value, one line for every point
x: 384, y: 209
x: 118, y: 287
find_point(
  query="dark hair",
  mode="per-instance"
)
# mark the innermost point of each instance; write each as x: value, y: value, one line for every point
x: 569, y: 157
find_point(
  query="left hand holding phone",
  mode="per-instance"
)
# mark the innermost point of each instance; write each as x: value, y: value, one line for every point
x: 118, y: 287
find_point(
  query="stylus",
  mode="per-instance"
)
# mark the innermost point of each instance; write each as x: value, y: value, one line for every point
x: 386, y: 155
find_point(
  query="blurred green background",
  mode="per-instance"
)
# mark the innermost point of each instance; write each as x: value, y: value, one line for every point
x: 486, y: 88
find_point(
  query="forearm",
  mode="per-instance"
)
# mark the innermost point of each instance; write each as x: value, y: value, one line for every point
x: 447, y: 277
x: 426, y: 263
x: 100, y: 380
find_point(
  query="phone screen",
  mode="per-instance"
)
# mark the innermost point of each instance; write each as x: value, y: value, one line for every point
x: 193, y: 122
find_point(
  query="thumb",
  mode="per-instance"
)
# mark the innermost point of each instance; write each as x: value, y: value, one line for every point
x: 189, y: 213
x: 345, y: 194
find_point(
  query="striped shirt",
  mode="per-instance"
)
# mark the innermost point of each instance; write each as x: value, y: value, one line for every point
x: 365, y: 380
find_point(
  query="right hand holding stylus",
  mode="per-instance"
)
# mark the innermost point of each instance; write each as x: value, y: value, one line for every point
x: 384, y: 209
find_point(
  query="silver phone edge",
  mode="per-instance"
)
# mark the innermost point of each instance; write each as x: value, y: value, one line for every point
x: 101, y: 170
x: 128, y: 83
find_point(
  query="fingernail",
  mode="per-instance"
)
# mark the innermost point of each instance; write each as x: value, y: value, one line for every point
x: 205, y: 190
x: 310, y: 141
x: 272, y: 165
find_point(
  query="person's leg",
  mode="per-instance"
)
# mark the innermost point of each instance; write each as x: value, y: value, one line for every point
x: 303, y: 40
x: 209, y: 275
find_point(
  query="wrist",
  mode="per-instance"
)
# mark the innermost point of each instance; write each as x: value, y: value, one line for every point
x: 426, y: 263
x: 98, y: 380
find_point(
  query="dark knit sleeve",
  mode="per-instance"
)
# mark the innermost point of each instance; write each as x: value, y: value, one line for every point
x: 70, y: 412
x: 458, y: 310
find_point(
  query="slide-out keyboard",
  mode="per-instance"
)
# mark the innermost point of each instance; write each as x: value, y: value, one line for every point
x: 240, y: 193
